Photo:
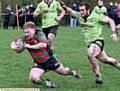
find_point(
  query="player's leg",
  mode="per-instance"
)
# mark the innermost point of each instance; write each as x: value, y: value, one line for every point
x: 118, y: 27
x: 67, y: 71
x: 108, y: 60
x: 92, y: 52
x: 52, y: 31
x: 51, y: 40
x: 36, y: 77
x: 53, y: 64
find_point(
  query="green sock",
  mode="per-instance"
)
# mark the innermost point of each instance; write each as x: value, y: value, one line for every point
x: 41, y: 81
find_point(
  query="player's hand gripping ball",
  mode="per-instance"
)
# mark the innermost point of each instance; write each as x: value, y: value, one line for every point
x: 18, y: 45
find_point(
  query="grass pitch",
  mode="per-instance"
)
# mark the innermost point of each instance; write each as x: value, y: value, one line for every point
x: 71, y: 49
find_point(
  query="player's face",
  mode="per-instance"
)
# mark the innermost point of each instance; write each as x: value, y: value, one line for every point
x: 100, y: 3
x: 29, y: 32
x: 83, y: 11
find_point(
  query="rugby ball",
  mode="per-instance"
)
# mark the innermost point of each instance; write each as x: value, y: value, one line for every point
x: 18, y: 45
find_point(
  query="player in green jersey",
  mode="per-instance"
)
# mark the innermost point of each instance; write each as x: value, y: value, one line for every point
x: 91, y: 24
x: 100, y: 8
x: 48, y: 9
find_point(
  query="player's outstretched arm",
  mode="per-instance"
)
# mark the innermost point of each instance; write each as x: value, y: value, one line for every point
x: 113, y: 27
x: 66, y: 8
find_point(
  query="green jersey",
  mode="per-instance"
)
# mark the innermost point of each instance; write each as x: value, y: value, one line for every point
x: 91, y: 27
x: 100, y: 10
x: 49, y: 17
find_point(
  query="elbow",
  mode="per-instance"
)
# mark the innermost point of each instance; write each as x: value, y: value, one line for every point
x: 111, y: 20
x: 112, y: 23
x: 35, y: 14
x: 63, y: 12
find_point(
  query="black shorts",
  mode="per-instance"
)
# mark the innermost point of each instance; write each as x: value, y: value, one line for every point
x: 52, y: 29
x: 50, y: 64
x: 99, y: 43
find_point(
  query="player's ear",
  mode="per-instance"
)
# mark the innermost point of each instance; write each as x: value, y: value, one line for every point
x: 88, y: 11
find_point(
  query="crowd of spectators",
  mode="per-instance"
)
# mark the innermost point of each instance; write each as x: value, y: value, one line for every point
x: 25, y: 13
x: 113, y: 11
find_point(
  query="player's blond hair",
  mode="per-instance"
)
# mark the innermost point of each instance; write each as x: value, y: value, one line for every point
x: 29, y: 25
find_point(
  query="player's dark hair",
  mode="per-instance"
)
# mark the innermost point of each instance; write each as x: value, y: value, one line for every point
x: 87, y: 6
x: 29, y: 25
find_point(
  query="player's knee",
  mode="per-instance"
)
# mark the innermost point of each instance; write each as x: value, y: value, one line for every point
x: 34, y: 79
x: 90, y: 53
x: 51, y: 37
x: 65, y: 71
x: 109, y: 60
x: 62, y: 70
x: 105, y: 60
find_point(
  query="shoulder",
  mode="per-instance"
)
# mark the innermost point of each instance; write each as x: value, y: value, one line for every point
x: 39, y: 33
x: 104, y: 7
x: 41, y: 3
x: 96, y: 7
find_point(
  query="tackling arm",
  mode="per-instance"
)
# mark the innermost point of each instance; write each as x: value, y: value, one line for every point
x: 67, y: 9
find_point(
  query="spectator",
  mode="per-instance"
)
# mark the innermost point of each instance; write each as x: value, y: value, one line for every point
x: 119, y: 12
x: 7, y: 16
x: 22, y: 16
x: 118, y: 26
x: 110, y: 10
x: 27, y: 13
x: 30, y: 14
x: 115, y: 6
x: 113, y: 13
x: 73, y: 20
